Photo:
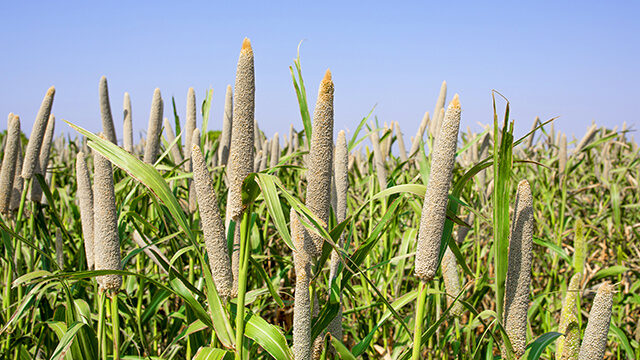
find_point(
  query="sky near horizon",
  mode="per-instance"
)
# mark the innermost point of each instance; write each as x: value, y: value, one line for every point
x: 573, y: 59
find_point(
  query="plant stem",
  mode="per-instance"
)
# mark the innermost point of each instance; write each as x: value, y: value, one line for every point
x: 417, y: 334
x: 115, y: 326
x: 102, y: 335
x: 242, y: 281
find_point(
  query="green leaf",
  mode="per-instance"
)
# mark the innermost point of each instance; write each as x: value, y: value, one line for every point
x: 553, y: 247
x: 342, y: 350
x: 267, y: 184
x: 624, y: 341
x: 209, y: 353
x: 610, y: 271
x: 267, y: 336
x: 535, y: 348
x: 66, y: 341
x: 363, y: 345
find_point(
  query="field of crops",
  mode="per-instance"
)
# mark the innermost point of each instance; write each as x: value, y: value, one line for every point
x: 316, y: 244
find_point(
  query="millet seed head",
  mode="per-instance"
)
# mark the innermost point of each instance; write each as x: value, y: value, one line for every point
x: 8, y: 171
x: 212, y: 227
x: 32, y: 154
x: 242, y: 133
x: 516, y: 298
x: 106, y: 239
x: 85, y: 197
x: 105, y: 111
x: 152, y: 145
x: 435, y: 200
x: 318, y: 198
x: 594, y: 342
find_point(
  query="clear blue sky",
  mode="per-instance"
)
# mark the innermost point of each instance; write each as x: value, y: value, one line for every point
x: 577, y: 59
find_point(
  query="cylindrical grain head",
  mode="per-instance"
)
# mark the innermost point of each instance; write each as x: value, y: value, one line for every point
x: 302, y: 300
x: 415, y: 145
x: 171, y: 137
x: 152, y: 145
x: 571, y: 347
x: 32, y: 154
x: 568, y: 315
x: 381, y: 171
x: 227, y: 121
x: 342, y: 176
x: 242, y: 132
x: 401, y: 148
x: 451, y: 281
x: 127, y: 126
x: 193, y: 204
x: 59, y: 249
x: 215, y: 238
x: 85, y: 197
x: 533, y: 133
x: 595, y: 335
x: 189, y: 127
x: 18, y: 182
x: 586, y: 139
x: 105, y: 111
x: 435, y: 200
x: 580, y: 246
x: 321, y: 158
x: 438, y: 111
x: 275, y: 150
x: 341, y: 180
x: 562, y: 155
x: 43, y: 159
x: 8, y: 171
x: 516, y: 298
x: 106, y: 241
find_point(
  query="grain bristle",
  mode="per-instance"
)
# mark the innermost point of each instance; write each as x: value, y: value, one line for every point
x: 212, y: 227
x: 436, y: 197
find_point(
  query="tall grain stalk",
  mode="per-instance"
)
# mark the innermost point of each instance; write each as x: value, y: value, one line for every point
x: 240, y: 166
x: 434, y: 211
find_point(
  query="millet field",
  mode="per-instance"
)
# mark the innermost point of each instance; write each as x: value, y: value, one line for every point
x: 315, y: 244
